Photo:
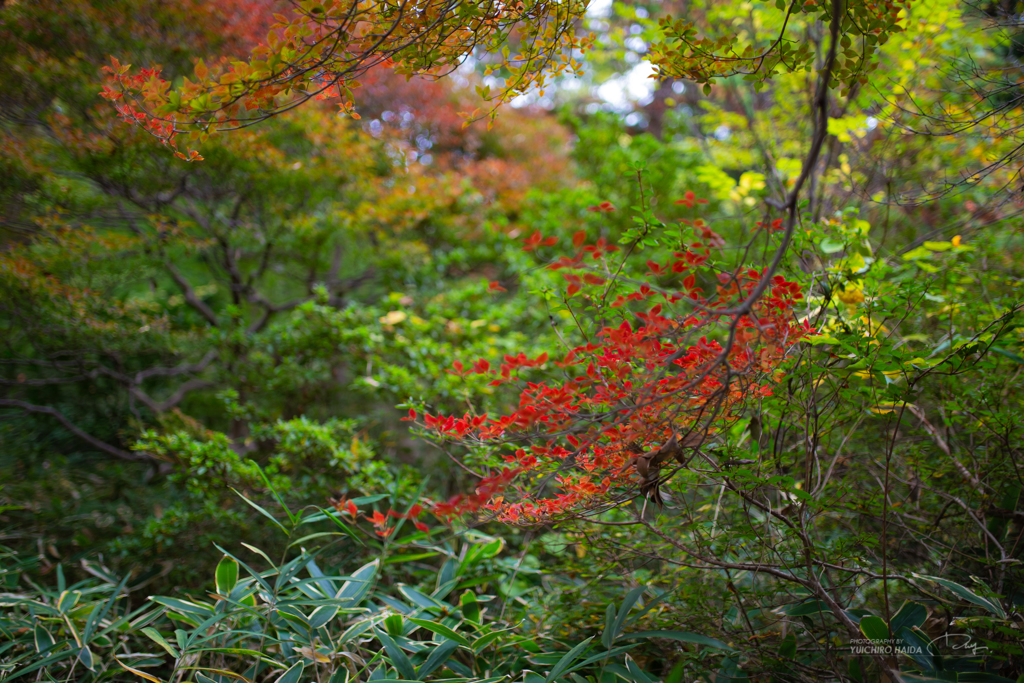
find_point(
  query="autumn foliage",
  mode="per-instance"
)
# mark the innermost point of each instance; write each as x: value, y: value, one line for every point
x: 319, y: 50
x: 664, y: 361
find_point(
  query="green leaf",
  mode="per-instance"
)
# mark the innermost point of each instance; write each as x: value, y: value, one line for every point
x: 99, y: 613
x: 804, y: 609
x: 398, y: 658
x: 816, y: 339
x: 322, y: 615
x: 874, y: 628
x: 255, y: 550
x: 438, y: 656
x: 831, y: 246
x: 341, y: 525
x: 854, y: 669
x: 623, y: 673
x: 243, y: 651
x: 86, y: 658
x: 183, y: 606
x: 787, y: 649
x: 614, y: 652
x: 44, y: 641
x: 608, y: 636
x: 262, y: 512
x: 681, y: 636
x: 290, y: 571
x: 418, y: 598
x: 918, y: 647
x: 968, y: 595
x: 293, y: 674
x: 306, y: 539
x: 394, y: 624
x: 450, y: 582
x: 470, y: 607
x: 357, y: 588
x: 155, y: 636
x: 480, y: 580
x: 366, y: 500
x: 325, y: 584
x: 483, y: 641
x: 294, y: 615
x: 67, y: 601
x: 627, y: 604
x: 917, y: 254
x: 226, y: 575
x: 292, y: 518
x: 909, y: 615
x: 410, y: 557
x: 676, y: 674
x: 357, y: 629
x: 441, y: 630
x: 191, y: 621
x: 639, y: 676
x: 137, y: 672
x: 45, y: 661
x: 1008, y: 354
x: 570, y: 657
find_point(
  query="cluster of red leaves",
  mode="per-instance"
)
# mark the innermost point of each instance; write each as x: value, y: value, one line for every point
x: 146, y: 100
x: 677, y: 362
x: 775, y: 226
x: 603, y: 207
x: 483, y: 366
x: 690, y: 199
x: 146, y: 81
x: 382, y: 520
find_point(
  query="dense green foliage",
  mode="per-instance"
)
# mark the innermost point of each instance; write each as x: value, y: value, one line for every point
x: 214, y: 376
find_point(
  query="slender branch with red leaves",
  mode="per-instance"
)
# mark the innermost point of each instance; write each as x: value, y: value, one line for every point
x: 320, y: 48
x: 669, y: 364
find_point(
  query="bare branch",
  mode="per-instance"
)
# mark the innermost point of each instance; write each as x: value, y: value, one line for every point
x: 71, y: 427
x: 178, y: 369
x: 172, y: 400
x: 190, y: 295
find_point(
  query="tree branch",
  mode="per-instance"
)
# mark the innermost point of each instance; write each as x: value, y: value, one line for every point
x: 71, y: 427
x: 190, y: 295
x: 172, y: 400
x: 178, y: 369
